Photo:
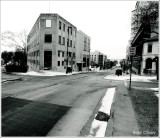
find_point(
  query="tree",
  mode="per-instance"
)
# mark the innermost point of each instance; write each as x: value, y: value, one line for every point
x: 10, y: 39
x: 146, y: 12
x: 20, y: 57
x: 6, y: 56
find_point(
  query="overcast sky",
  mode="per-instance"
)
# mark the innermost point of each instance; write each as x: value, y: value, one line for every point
x: 108, y: 23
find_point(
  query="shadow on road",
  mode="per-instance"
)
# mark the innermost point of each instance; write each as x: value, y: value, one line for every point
x: 29, y: 118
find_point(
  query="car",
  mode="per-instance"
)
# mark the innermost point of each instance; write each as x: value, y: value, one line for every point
x: 118, y: 72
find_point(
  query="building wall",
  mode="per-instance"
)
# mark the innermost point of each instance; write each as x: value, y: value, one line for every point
x: 95, y: 56
x: 38, y: 34
x: 82, y: 50
x: 146, y: 55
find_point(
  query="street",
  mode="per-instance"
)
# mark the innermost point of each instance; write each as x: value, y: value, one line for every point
x: 51, y: 106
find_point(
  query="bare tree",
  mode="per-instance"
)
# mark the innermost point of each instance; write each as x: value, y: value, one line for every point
x: 146, y: 12
x: 10, y: 39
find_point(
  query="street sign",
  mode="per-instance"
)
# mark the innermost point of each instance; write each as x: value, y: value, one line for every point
x: 132, y: 51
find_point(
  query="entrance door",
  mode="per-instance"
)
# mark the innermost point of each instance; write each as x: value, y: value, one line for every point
x: 47, y: 60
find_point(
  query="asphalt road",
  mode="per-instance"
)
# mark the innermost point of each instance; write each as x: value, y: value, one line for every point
x: 51, y: 106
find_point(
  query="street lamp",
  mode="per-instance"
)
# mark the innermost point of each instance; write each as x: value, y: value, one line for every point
x: 67, y: 51
x: 89, y: 59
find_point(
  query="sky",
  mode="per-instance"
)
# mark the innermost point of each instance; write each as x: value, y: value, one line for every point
x: 108, y: 23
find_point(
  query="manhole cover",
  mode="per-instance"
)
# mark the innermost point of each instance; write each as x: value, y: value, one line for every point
x: 102, y: 116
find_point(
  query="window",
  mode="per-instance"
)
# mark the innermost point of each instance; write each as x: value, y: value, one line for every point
x: 48, y: 23
x: 70, y: 54
x: 58, y: 63
x: 67, y: 42
x: 48, y: 38
x: 74, y: 44
x: 58, y: 53
x: 64, y: 27
x: 62, y: 63
x: 73, y: 55
x: 64, y: 41
x: 71, y: 31
x: 62, y: 54
x: 71, y: 43
x: 149, y: 48
x: 85, y: 43
x: 59, y: 39
x: 60, y: 25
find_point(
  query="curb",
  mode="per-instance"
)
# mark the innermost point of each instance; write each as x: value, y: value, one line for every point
x: 20, y: 79
x: 103, y: 115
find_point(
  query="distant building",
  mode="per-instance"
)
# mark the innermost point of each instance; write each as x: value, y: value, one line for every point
x: 49, y: 41
x: 82, y: 51
x: 99, y: 59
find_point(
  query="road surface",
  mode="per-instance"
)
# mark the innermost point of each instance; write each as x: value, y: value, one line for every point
x: 51, y: 106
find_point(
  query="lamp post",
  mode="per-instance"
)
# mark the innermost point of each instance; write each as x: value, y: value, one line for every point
x: 67, y: 51
x: 89, y: 59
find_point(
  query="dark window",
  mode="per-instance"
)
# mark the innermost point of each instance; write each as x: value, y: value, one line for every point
x: 58, y: 63
x: 149, y: 48
x: 58, y: 53
x: 74, y: 55
x: 67, y: 42
x: 60, y: 25
x: 148, y: 63
x: 48, y: 38
x: 70, y: 54
x: 62, y: 63
x: 62, y: 54
x: 63, y: 40
x: 71, y: 31
x: 71, y: 43
x: 64, y: 27
x: 59, y: 39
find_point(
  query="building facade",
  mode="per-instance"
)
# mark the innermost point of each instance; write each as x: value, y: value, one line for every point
x: 144, y: 37
x: 150, y: 51
x: 82, y: 51
x: 48, y: 43
x: 98, y: 59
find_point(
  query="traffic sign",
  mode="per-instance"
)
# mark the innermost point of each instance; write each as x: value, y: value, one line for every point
x: 132, y: 51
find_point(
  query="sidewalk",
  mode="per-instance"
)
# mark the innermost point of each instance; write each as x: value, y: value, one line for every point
x: 18, y: 76
x: 128, y: 111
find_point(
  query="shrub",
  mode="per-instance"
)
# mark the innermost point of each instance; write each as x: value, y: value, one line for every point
x: 16, y: 68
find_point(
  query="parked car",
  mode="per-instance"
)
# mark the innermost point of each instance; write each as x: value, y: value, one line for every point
x: 118, y: 72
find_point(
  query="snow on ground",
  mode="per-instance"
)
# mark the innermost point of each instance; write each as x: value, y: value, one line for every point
x: 44, y: 73
x: 133, y: 77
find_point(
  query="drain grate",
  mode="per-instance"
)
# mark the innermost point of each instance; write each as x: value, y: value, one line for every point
x: 101, y: 116
x: 126, y: 95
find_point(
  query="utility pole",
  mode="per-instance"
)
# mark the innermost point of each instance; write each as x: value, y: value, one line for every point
x: 130, y: 72
x: 67, y: 51
x: 89, y: 59
x: 132, y: 52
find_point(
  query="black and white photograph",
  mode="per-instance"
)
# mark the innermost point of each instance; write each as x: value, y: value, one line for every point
x: 79, y: 68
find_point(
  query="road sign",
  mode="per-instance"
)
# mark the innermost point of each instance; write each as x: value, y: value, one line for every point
x: 132, y: 51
